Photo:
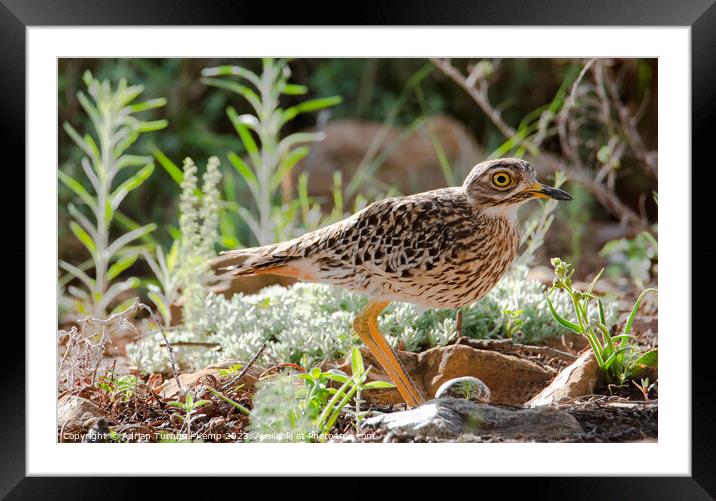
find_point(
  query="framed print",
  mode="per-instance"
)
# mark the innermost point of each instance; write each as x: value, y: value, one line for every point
x: 441, y: 242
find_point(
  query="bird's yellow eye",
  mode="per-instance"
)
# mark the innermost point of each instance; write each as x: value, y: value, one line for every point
x: 501, y: 179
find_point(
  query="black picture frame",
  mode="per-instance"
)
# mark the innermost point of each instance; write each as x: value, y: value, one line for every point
x: 700, y: 15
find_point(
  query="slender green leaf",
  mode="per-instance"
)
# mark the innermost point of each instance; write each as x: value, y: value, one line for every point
x: 245, y: 135
x: 174, y: 172
x: 238, y: 71
x: 121, y: 264
x: 325, y: 414
x: 82, y: 220
x: 74, y: 135
x: 340, y: 378
x: 123, y: 240
x: 149, y: 104
x: 287, y: 165
x: 613, y: 357
x: 297, y: 138
x: 627, y: 327
x: 77, y: 273
x: 83, y: 237
x: 135, y: 181
x: 152, y: 125
x: 246, y: 173
x: 90, y: 109
x: 161, y: 305
x: 562, y: 321
x: 310, y: 105
x: 228, y: 400
x: 116, y: 289
x: 128, y: 140
x: 132, y: 161
x: 78, y: 189
x: 128, y: 224
x: 622, y: 337
x: 332, y: 420
x: 602, y: 316
x: 357, y: 366
x: 128, y: 94
x: 78, y: 293
x: 125, y: 305
x: 377, y: 385
x: 87, y: 78
x: 294, y: 90
x: 242, y: 90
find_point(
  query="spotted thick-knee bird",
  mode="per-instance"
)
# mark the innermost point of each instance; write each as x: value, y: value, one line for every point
x: 444, y: 248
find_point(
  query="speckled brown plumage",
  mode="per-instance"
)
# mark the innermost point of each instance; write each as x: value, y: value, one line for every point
x: 439, y: 249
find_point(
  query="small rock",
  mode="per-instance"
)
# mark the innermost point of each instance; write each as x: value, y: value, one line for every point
x: 461, y: 420
x: 76, y: 412
x: 575, y: 380
x: 468, y: 388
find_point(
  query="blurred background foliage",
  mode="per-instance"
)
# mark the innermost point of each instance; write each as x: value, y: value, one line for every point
x: 406, y: 100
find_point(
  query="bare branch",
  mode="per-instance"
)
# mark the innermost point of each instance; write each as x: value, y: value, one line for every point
x: 479, y: 95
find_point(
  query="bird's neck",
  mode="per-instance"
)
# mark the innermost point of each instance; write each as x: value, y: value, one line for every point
x: 508, y: 212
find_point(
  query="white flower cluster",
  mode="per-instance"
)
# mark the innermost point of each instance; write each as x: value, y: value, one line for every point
x: 315, y: 321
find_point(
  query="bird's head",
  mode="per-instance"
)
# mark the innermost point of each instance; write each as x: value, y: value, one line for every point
x: 506, y: 183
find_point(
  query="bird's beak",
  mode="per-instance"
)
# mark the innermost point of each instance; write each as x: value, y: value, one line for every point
x: 539, y: 190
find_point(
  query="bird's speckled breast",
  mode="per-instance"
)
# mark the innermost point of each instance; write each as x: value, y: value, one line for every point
x: 494, y: 257
x: 474, y: 264
x: 474, y: 269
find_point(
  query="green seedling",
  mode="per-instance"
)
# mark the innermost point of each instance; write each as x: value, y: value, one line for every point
x: 124, y: 386
x: 351, y: 388
x: 645, y: 386
x: 232, y: 370
x: 189, y: 406
x: 619, y: 359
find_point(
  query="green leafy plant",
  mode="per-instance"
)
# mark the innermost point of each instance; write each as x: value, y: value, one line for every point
x: 351, y: 388
x: 111, y: 111
x: 287, y: 411
x: 619, y: 359
x: 189, y: 407
x: 124, y: 386
x: 272, y: 159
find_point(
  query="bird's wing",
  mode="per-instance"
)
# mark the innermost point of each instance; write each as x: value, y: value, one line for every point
x: 399, y: 237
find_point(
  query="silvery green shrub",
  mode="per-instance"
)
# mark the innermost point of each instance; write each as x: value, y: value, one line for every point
x: 316, y: 321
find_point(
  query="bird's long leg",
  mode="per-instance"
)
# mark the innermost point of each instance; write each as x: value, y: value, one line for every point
x: 366, y: 326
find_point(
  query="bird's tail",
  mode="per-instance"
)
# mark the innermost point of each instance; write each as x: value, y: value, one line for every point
x: 251, y: 261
